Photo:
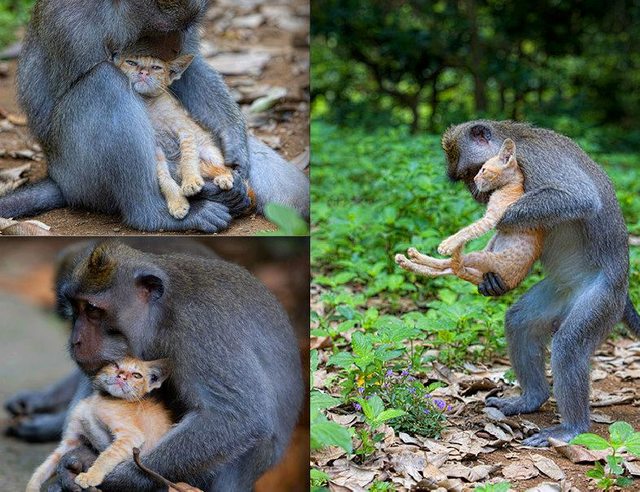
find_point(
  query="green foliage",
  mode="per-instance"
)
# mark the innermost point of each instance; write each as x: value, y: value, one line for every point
x: 318, y: 480
x: 621, y: 438
x: 494, y: 487
x: 13, y: 14
x: 287, y: 219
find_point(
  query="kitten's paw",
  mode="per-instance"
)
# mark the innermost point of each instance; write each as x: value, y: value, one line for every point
x: 224, y: 182
x: 192, y: 185
x: 448, y: 246
x: 88, y: 479
x: 401, y: 260
x: 179, y: 208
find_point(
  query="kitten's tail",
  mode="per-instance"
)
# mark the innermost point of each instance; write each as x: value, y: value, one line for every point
x: 31, y: 200
x: 631, y: 318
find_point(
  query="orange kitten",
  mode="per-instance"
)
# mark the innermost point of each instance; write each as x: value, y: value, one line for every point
x: 510, y: 255
x: 117, y: 408
x: 151, y: 77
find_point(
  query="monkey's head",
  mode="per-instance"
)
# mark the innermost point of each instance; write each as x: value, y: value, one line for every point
x: 130, y: 378
x: 113, y: 296
x: 467, y: 147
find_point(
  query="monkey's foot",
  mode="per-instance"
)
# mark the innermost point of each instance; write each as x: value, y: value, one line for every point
x: 517, y: 405
x: 25, y: 403
x: 224, y: 182
x: 191, y: 185
x: 178, y: 207
x: 88, y: 479
x: 43, y: 427
x: 561, y: 432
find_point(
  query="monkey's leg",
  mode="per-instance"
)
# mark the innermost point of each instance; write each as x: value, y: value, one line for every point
x: 529, y: 324
x: 593, y: 312
x: 176, y: 201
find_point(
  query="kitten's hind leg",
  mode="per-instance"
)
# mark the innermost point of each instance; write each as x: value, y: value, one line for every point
x: 176, y: 201
x: 429, y: 261
x: 189, y: 166
x: 212, y: 166
x: 423, y: 270
x: 462, y: 271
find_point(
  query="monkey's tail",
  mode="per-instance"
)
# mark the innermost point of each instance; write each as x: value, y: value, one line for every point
x: 32, y: 199
x: 631, y: 318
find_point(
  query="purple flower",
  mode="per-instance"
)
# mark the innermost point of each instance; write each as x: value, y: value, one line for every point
x: 412, y: 390
x: 360, y: 390
x: 411, y: 378
x: 426, y: 411
x: 357, y: 406
x: 449, y: 408
x: 389, y: 373
x: 404, y: 373
x: 427, y: 396
x: 440, y: 404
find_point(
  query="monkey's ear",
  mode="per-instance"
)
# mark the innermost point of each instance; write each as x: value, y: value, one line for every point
x: 480, y: 133
x: 150, y: 286
x: 178, y: 66
x: 158, y: 372
x: 507, y: 152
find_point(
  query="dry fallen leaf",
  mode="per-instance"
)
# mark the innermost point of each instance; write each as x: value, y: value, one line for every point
x: 548, y: 467
x: 477, y: 473
x: 577, y: 454
x: 523, y: 470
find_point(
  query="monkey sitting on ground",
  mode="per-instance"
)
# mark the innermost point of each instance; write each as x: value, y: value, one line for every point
x: 151, y: 77
x: 510, y: 255
x: 117, y: 418
x: 235, y: 389
x: 94, y: 129
x: 585, y: 257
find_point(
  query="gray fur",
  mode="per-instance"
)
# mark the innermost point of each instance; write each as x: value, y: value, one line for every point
x: 93, y: 127
x: 236, y: 377
x: 585, y: 257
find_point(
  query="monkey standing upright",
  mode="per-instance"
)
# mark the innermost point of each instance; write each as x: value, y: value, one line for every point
x: 235, y: 386
x: 585, y: 257
x: 94, y: 130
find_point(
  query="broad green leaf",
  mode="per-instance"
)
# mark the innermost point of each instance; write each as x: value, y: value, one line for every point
x: 614, y: 465
x: 624, y: 481
x: 325, y: 434
x: 287, y: 219
x: 633, y: 444
x: 389, y: 414
x: 620, y: 432
x: 377, y: 406
x: 361, y: 344
x: 341, y: 359
x: 591, y: 441
x: 320, y: 401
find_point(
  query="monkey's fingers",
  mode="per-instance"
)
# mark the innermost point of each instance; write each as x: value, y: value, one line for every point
x: 492, y: 285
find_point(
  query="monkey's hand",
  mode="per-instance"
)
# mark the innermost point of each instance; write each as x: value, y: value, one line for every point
x: 449, y: 245
x: 492, y: 285
x: 73, y: 463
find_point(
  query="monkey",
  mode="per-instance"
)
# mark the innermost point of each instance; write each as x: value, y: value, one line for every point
x: 585, y: 257
x: 236, y: 386
x: 94, y: 130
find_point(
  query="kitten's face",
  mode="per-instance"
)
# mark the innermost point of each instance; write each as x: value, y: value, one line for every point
x: 151, y: 76
x: 131, y: 379
x: 498, y: 171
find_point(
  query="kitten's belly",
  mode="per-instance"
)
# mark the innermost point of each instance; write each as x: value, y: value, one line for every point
x: 527, y: 242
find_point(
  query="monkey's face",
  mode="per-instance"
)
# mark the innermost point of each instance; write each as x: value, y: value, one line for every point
x: 113, y: 303
x: 467, y: 147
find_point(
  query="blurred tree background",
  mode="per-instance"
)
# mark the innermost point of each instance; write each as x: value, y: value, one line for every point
x: 571, y: 66
x: 13, y: 15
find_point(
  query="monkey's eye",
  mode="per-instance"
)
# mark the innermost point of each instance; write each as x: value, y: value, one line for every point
x: 137, y: 375
x: 92, y: 311
x: 131, y: 63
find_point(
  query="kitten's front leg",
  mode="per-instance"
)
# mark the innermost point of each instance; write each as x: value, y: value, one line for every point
x: 176, y: 201
x: 189, y: 166
x: 463, y: 236
x: 212, y: 166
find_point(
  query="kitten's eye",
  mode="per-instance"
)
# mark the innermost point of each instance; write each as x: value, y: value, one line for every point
x: 156, y: 67
x: 137, y: 375
x: 92, y: 311
x: 131, y: 63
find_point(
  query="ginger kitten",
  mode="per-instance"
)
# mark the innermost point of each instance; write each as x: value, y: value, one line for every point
x: 199, y: 156
x: 119, y: 408
x: 510, y: 255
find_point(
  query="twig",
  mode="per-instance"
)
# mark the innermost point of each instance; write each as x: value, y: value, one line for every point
x: 154, y: 475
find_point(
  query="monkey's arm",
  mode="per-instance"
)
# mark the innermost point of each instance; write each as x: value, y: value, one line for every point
x: 205, y: 95
x: 546, y: 207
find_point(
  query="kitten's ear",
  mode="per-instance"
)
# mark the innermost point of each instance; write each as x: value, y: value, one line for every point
x: 158, y: 372
x: 507, y: 152
x: 178, y: 66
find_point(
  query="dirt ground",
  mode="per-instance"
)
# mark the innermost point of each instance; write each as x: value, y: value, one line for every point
x: 33, y: 340
x: 269, y: 40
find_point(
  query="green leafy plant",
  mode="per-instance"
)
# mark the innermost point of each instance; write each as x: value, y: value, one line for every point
x: 287, y: 219
x: 318, y: 480
x: 494, y: 487
x: 374, y: 416
x: 621, y: 438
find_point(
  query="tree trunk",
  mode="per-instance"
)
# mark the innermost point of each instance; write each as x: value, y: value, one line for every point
x: 434, y: 104
x: 477, y: 63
